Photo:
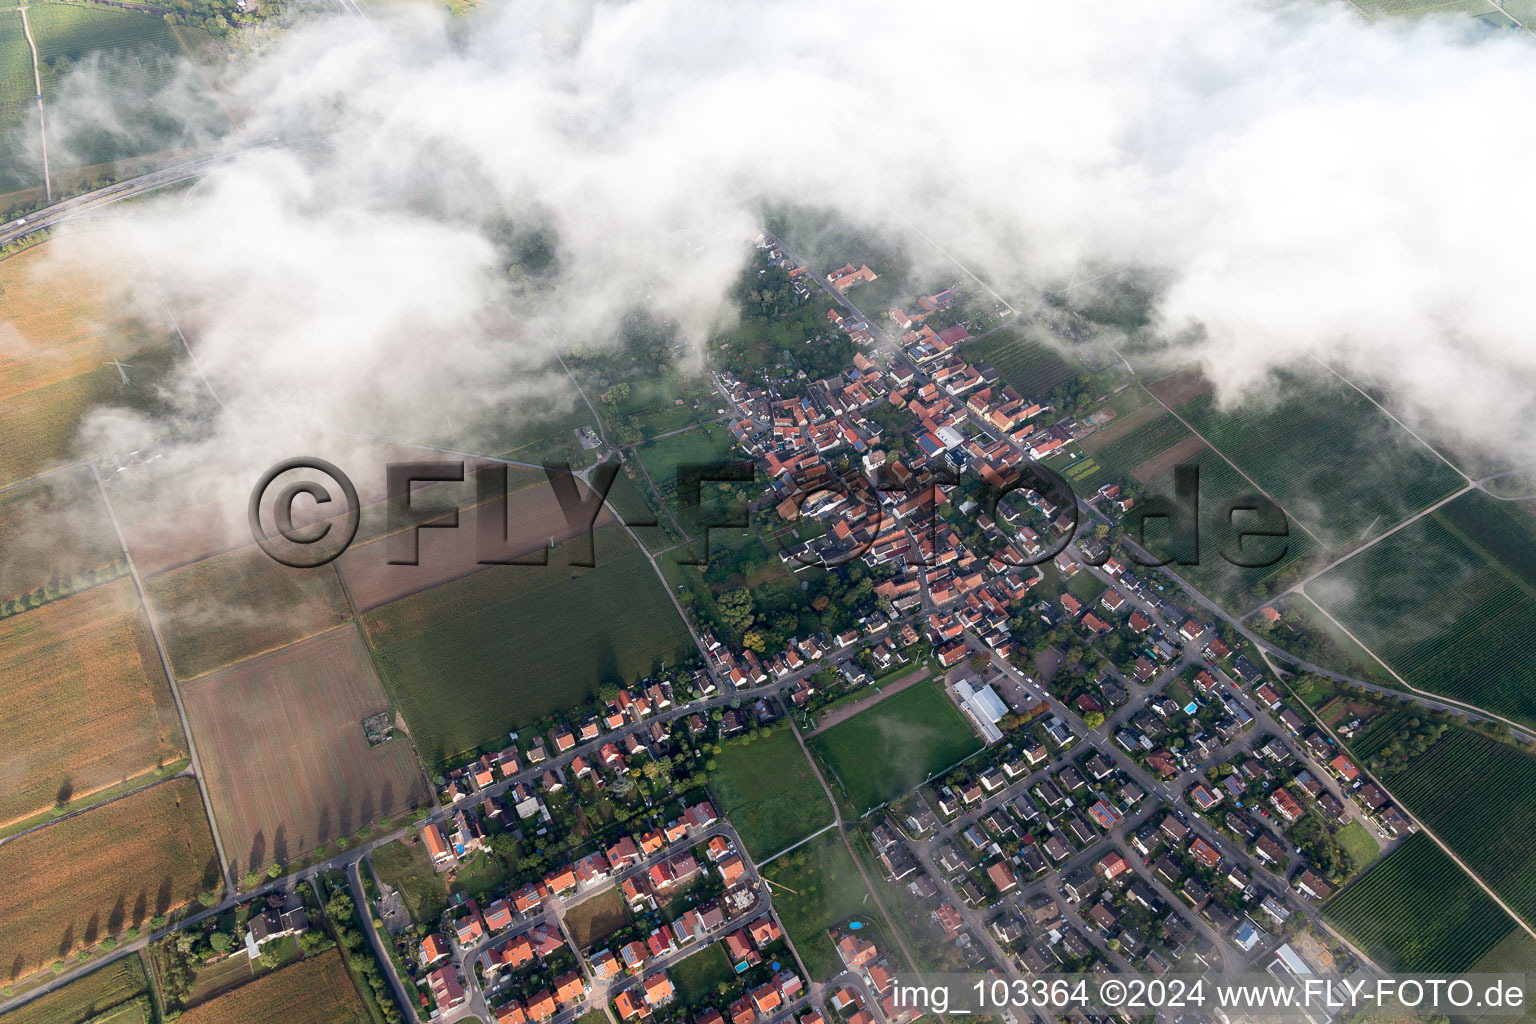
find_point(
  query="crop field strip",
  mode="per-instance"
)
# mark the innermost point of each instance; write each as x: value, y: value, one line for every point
x: 316, y: 990
x: 1418, y: 912
x: 1378, y: 733
x: 1124, y: 454
x: 1479, y: 797
x: 112, y: 985
x: 1328, y: 455
x: 84, y: 878
x: 1449, y: 602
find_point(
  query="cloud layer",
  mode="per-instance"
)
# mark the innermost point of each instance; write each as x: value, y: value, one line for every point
x: 1305, y: 185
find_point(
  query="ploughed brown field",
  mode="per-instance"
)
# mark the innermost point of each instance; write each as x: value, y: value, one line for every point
x: 283, y: 752
x: 534, y: 521
x: 86, y: 704
x: 83, y: 878
x: 316, y: 990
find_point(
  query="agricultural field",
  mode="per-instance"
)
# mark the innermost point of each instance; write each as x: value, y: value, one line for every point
x: 1236, y: 588
x: 316, y: 990
x: 83, y: 878
x: 467, y: 661
x: 21, y: 164
x: 1117, y: 453
x: 819, y: 887
x: 696, y: 977
x: 1449, y: 603
x: 230, y: 607
x: 88, y: 705
x: 664, y: 458
x: 1482, y: 10
x: 57, y: 330
x: 879, y: 754
x: 137, y: 55
x: 1479, y: 797
x: 121, y: 983
x: 1417, y: 912
x: 55, y: 537
x: 769, y: 791
x: 1328, y: 455
x: 594, y: 919
x: 1031, y: 367
x: 284, y: 755
x: 534, y: 519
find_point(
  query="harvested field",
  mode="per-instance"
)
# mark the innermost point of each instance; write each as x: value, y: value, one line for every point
x: 1178, y: 388
x: 87, y: 702
x: 317, y: 990
x: 534, y: 521
x: 234, y: 606
x: 56, y: 332
x: 1175, y: 456
x: 90, y: 876
x: 284, y: 755
x: 55, y: 323
x: 469, y: 660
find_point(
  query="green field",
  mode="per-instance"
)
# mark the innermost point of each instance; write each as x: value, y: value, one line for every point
x: 879, y: 754
x: 819, y: 887
x: 1119, y: 456
x: 472, y: 659
x: 1031, y: 367
x: 118, y: 984
x: 406, y: 866
x: 769, y: 792
x: 1327, y: 454
x: 1236, y: 588
x: 697, y: 977
x: 1418, y: 912
x: 21, y: 164
x: 1450, y: 603
x: 1479, y: 796
x: 1361, y: 846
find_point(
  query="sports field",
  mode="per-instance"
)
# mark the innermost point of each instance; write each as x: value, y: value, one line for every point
x: 284, y: 755
x: 1328, y: 455
x: 769, y: 792
x: 1450, y: 602
x: 1479, y: 796
x: 81, y: 879
x: 470, y: 660
x: 1418, y: 912
x: 316, y: 990
x: 879, y: 754
x: 87, y: 702
x: 224, y: 609
x: 118, y: 983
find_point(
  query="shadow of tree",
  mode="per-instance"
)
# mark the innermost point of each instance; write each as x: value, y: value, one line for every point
x: 118, y: 916
x: 163, y: 896
x: 258, y: 855
x: 67, y: 943
x: 65, y: 794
